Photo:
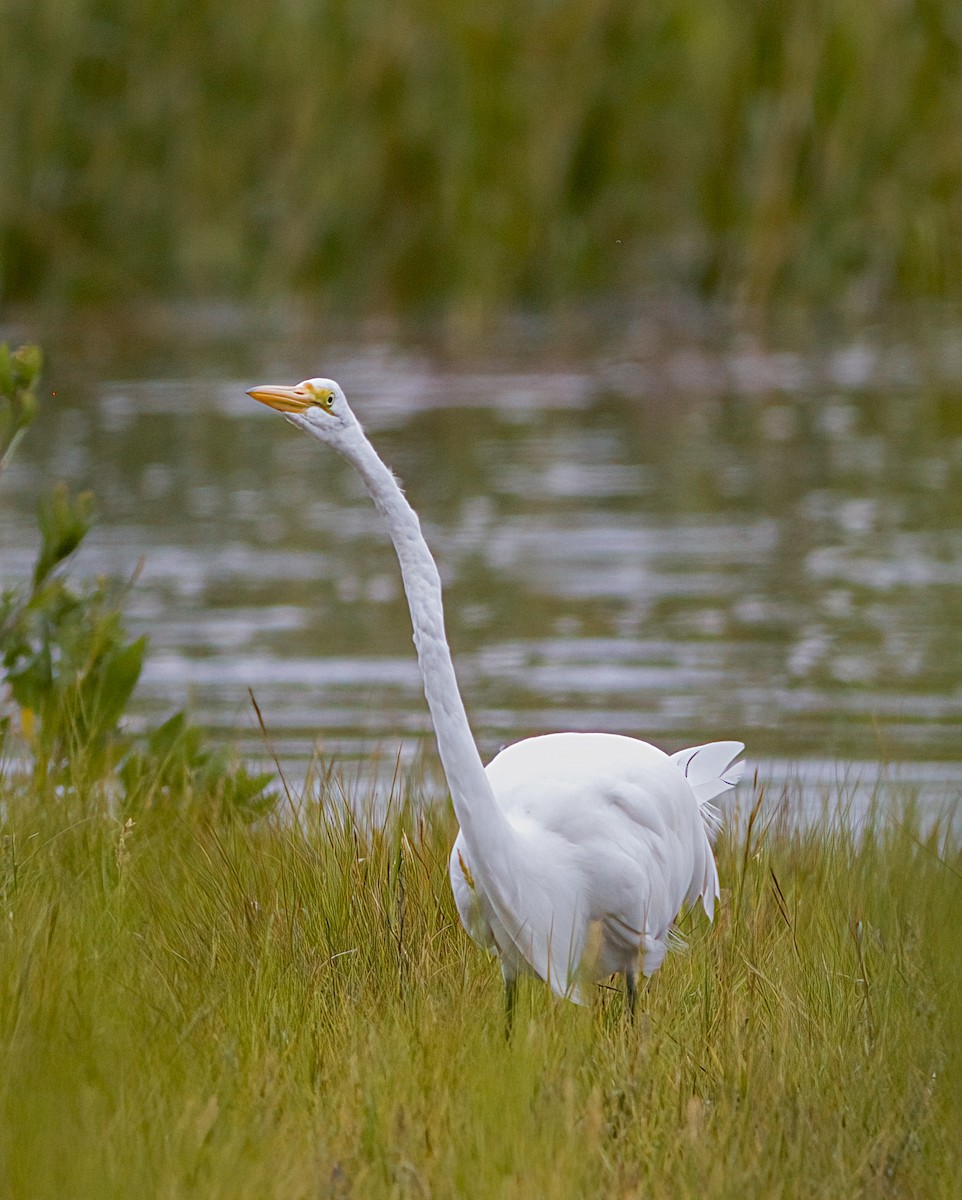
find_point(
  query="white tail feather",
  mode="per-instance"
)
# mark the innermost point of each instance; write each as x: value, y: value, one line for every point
x: 710, y: 770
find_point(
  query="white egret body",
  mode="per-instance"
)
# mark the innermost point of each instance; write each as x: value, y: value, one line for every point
x: 576, y: 850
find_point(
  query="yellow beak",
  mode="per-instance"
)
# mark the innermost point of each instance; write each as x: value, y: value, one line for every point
x: 284, y: 399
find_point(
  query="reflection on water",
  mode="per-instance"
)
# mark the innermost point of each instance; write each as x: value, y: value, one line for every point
x: 675, y: 544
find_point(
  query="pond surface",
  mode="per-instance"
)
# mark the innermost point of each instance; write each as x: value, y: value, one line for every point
x: 658, y: 534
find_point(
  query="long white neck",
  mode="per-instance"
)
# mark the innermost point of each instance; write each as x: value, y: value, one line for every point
x: 488, y: 834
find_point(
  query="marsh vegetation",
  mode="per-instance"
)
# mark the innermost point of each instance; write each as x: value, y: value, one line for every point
x: 471, y: 156
x: 203, y: 1007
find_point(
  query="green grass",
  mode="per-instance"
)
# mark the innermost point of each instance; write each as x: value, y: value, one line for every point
x: 474, y: 155
x: 193, y: 1008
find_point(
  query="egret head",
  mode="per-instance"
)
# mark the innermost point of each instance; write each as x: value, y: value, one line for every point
x: 317, y: 406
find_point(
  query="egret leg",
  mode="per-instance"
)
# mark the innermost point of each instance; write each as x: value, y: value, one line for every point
x: 631, y: 987
x: 510, y: 988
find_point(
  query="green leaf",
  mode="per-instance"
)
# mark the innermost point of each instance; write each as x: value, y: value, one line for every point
x: 118, y: 677
x: 166, y: 736
x: 246, y: 795
x: 64, y: 522
x: 19, y: 375
x: 27, y: 364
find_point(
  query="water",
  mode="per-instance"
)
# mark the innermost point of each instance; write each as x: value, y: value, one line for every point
x: 657, y: 536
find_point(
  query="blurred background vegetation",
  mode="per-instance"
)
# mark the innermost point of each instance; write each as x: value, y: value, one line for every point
x: 483, y: 154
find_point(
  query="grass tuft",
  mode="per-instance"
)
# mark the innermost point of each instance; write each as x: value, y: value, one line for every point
x: 195, y: 1006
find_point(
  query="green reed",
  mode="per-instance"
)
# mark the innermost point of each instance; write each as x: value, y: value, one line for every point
x: 472, y: 156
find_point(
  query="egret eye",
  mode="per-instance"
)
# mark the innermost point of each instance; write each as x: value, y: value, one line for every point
x: 323, y: 399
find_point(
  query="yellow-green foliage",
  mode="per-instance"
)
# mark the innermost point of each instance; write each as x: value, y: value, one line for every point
x: 481, y: 152
x: 213, y: 1010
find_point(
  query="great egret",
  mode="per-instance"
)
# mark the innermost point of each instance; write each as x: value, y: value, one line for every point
x: 576, y: 851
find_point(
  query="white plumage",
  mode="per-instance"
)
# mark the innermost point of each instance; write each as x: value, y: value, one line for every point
x: 614, y: 843
x: 576, y: 850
